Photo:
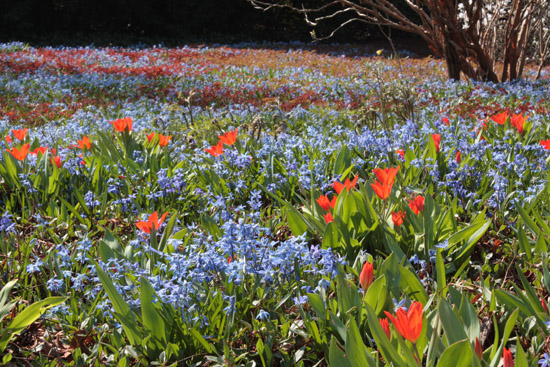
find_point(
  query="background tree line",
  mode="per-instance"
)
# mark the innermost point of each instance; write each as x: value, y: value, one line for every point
x: 169, y: 21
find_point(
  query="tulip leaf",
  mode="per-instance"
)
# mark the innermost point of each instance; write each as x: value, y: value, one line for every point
x: 122, y: 309
x: 26, y: 317
x: 152, y: 320
x: 337, y: 357
x: 459, y: 354
x: 355, y: 348
x: 452, y: 325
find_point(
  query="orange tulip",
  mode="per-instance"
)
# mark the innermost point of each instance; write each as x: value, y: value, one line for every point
x: 121, y: 125
x: 150, y: 137
x: 229, y: 138
x: 436, y: 138
x: 20, y: 134
x: 328, y: 217
x: 338, y: 186
x: 8, y: 138
x: 152, y: 222
x: 401, y: 152
x: 84, y: 143
x: 163, y: 140
x: 366, y: 277
x: 386, y: 327
x: 20, y: 154
x: 397, y: 218
x: 216, y: 150
x: 408, y: 323
x: 508, y: 358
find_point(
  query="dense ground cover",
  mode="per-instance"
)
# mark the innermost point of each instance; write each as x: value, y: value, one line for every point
x: 250, y: 206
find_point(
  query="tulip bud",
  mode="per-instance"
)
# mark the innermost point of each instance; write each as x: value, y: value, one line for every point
x: 366, y: 277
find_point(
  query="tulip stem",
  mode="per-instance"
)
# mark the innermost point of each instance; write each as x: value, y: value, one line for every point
x: 417, y: 356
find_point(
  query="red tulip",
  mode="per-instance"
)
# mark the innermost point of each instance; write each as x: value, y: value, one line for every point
x: 408, y: 323
x: 478, y: 349
x: 150, y: 137
x: 545, y: 144
x: 446, y: 121
x: 152, y: 222
x: 57, y: 161
x: 417, y: 204
x: 40, y: 150
x: 163, y: 140
x: 8, y: 138
x: 338, y: 186
x: 216, y: 150
x: 20, y: 154
x: 382, y: 187
x: 397, y: 218
x: 328, y: 218
x: 84, y: 143
x: 401, y: 152
x: 229, y: 138
x: 508, y: 358
x: 366, y: 277
x: 517, y: 121
x: 325, y: 203
x: 386, y: 327
x: 436, y: 138
x: 500, y: 118
x: 121, y: 125
x: 20, y: 134
x: 458, y: 156
x: 386, y: 176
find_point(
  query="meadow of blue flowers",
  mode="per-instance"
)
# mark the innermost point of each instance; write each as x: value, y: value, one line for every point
x: 164, y: 206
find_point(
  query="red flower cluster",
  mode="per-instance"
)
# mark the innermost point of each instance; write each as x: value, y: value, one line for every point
x: 516, y: 120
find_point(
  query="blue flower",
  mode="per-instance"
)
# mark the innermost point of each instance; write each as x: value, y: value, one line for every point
x: 263, y: 315
x: 544, y: 361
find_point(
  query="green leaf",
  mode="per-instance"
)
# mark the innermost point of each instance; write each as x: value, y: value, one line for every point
x: 343, y: 161
x: 26, y: 317
x: 122, y: 310
x: 458, y: 354
x: 441, y: 277
x: 355, y: 348
x: 337, y: 357
x: 451, y: 324
x: 521, y: 358
x: 296, y: 221
x: 152, y: 320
